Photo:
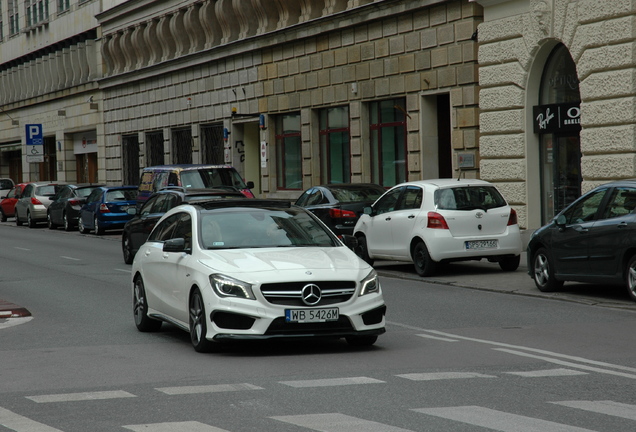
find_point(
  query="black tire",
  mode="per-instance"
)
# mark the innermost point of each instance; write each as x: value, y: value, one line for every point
x: 126, y: 248
x: 362, y: 250
x: 98, y: 230
x: 543, y: 271
x: 82, y: 228
x: 422, y: 261
x: 3, y: 217
x: 140, y: 309
x: 30, y: 222
x: 630, y: 277
x: 68, y: 226
x: 18, y: 222
x: 361, y: 341
x: 198, y: 326
x: 510, y: 264
x: 49, y: 222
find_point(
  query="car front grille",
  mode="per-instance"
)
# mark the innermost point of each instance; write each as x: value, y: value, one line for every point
x: 280, y: 327
x: 290, y: 293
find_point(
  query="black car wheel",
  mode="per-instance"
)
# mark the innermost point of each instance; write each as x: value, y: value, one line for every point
x: 510, y: 264
x: 126, y: 247
x: 362, y: 250
x: 30, y: 222
x: 424, y: 264
x: 198, y: 327
x: 82, y: 228
x: 140, y: 309
x: 49, y: 222
x: 68, y: 226
x: 98, y: 230
x: 3, y: 217
x: 630, y: 278
x: 18, y: 222
x: 543, y: 272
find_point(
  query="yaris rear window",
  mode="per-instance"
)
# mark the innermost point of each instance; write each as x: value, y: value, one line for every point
x: 469, y: 198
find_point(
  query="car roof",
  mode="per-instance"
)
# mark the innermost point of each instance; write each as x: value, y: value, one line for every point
x: 351, y: 185
x: 107, y: 188
x: 447, y: 182
x: 255, y: 203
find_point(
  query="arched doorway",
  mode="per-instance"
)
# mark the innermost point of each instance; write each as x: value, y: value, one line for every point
x: 557, y: 121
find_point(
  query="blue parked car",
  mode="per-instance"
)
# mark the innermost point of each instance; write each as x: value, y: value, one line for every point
x: 106, y: 208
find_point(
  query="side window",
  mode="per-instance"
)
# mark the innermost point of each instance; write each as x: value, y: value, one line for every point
x: 12, y: 193
x: 27, y: 191
x: 184, y: 229
x: 170, y: 202
x: 66, y: 193
x: 584, y: 210
x: 389, y: 201
x: 412, y: 198
x: 173, y: 179
x: 94, y: 196
x: 315, y: 197
x: 621, y: 203
x: 302, y: 201
x: 163, y: 231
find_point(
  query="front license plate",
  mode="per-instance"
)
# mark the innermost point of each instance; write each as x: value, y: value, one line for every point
x: 481, y: 244
x: 311, y: 315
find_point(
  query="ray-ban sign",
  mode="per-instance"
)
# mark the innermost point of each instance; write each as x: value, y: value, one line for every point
x: 557, y: 118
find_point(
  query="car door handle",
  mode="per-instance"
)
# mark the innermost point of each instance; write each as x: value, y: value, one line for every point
x: 622, y: 225
x: 388, y: 218
x: 411, y: 216
x: 583, y: 231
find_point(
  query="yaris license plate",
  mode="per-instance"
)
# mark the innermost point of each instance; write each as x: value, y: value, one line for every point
x: 311, y: 315
x: 481, y: 244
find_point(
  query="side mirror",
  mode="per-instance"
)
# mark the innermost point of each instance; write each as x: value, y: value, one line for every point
x: 349, y: 241
x: 132, y: 211
x: 368, y: 211
x: 561, y: 221
x: 174, y: 245
x: 250, y: 185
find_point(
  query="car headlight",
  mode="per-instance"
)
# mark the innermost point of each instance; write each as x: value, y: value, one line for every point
x: 225, y: 286
x: 370, y: 284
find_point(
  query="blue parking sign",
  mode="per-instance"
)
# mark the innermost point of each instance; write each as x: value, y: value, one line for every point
x: 34, y: 135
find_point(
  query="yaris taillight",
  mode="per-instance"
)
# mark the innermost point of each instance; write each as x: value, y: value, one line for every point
x: 35, y: 201
x: 436, y: 221
x: 512, y: 219
x: 103, y: 208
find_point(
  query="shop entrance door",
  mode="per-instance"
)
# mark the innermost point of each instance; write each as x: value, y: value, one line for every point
x: 561, y: 173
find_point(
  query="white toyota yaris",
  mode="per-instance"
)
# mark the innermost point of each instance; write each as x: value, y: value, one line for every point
x: 253, y: 269
x: 430, y: 222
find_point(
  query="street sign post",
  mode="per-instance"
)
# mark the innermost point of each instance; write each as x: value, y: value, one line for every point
x: 34, y: 143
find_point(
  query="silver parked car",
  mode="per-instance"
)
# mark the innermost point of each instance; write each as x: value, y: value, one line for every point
x: 33, y: 202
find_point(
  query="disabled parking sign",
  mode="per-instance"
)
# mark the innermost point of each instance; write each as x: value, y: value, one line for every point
x: 34, y: 143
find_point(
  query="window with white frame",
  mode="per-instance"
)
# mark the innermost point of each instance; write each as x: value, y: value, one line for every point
x: 63, y: 5
x: 14, y: 17
x: 36, y: 11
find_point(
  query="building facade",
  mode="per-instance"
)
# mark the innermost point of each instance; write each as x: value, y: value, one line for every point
x: 292, y: 93
x: 557, y: 99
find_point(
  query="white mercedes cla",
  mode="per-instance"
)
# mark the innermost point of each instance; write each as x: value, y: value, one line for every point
x: 430, y: 222
x: 253, y: 269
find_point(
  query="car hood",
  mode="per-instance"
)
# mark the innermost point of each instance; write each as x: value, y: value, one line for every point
x: 328, y: 260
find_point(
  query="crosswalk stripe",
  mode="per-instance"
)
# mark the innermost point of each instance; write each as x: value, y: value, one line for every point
x: 74, y: 397
x: 188, y: 426
x: 443, y: 375
x: 437, y: 338
x: 19, y: 423
x: 612, y: 408
x: 498, y: 420
x: 336, y: 422
x: 329, y: 382
x: 548, y: 373
x: 207, y: 389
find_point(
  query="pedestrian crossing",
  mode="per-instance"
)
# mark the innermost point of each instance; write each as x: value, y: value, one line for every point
x: 462, y: 416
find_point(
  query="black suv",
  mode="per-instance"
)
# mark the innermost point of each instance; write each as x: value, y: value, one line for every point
x: 137, y: 230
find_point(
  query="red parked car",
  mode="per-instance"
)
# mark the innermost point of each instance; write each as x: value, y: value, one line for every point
x: 7, y: 204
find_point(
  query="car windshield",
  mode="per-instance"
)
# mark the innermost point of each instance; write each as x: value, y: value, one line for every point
x: 356, y: 194
x: 469, y: 198
x: 241, y: 227
x: 206, y: 178
x: 121, y: 195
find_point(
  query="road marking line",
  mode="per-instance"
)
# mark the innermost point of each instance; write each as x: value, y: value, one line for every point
x: 443, y: 376
x: 612, y: 408
x: 569, y: 364
x: 548, y: 373
x: 70, y: 258
x: 487, y: 342
x: 73, y: 397
x: 329, y: 382
x: 437, y: 337
x: 188, y: 426
x: 123, y: 270
x: 19, y: 423
x: 207, y: 389
x: 336, y: 422
x: 21, y: 248
x: 497, y: 420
